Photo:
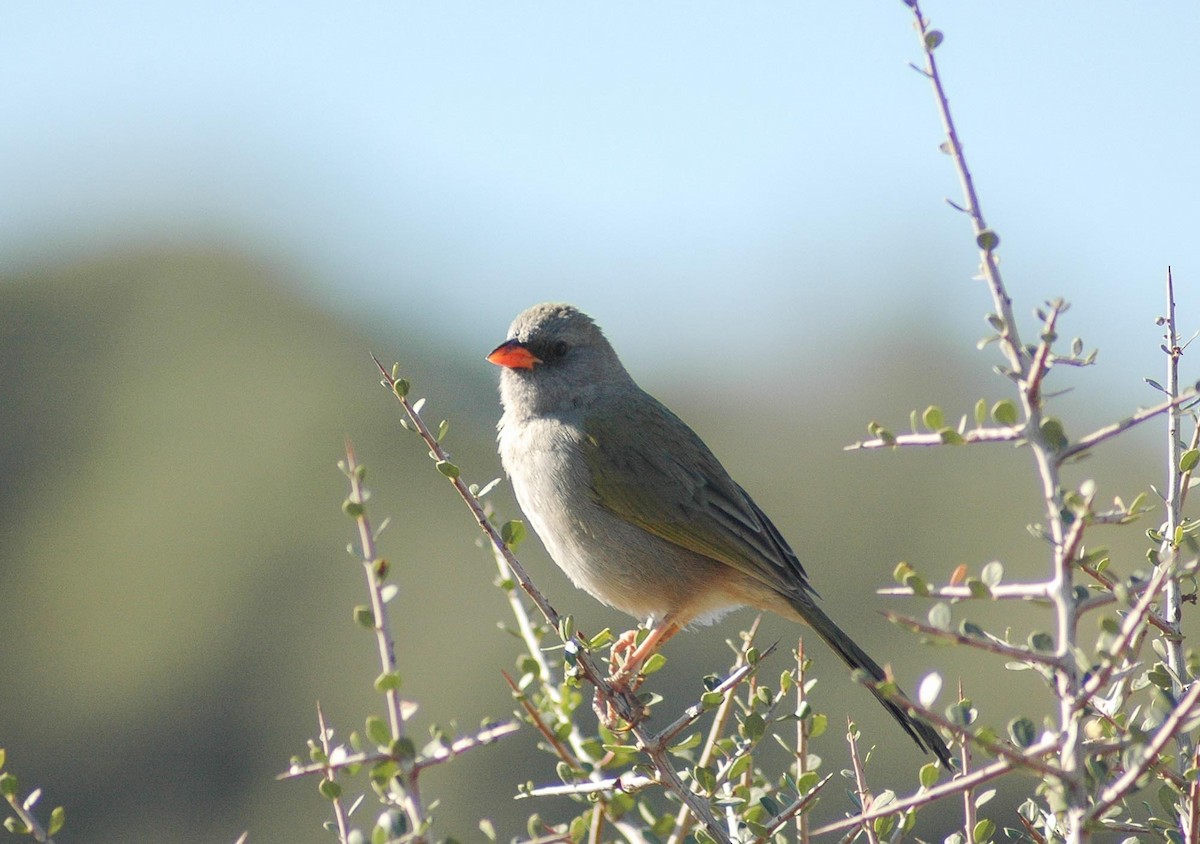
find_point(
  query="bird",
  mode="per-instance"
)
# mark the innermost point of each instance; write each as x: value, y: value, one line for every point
x: 633, y: 506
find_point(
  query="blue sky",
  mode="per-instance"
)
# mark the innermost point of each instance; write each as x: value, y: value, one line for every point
x: 763, y: 175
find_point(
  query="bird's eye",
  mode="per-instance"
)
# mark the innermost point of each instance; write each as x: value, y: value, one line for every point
x: 561, y: 348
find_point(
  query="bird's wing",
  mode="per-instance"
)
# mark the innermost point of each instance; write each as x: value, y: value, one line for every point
x: 665, y: 480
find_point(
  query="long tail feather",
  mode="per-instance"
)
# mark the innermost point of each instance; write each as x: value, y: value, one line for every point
x: 924, y: 735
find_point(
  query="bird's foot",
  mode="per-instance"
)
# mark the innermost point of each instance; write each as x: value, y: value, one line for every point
x: 618, y: 708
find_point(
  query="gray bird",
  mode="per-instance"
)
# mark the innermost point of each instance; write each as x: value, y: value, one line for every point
x: 633, y: 506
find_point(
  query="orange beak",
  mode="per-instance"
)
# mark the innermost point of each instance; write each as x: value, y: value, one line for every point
x: 513, y: 355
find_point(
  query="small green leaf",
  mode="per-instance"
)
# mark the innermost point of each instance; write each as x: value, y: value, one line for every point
x: 929, y: 774
x: 978, y: 588
x: 364, y: 617
x: 654, y: 663
x: 949, y: 436
x: 1053, y: 433
x: 933, y: 418
x: 981, y: 410
x: 601, y: 639
x: 754, y: 727
x: 1022, y: 731
x: 353, y: 509
x: 330, y: 789
x: 687, y: 744
x: 939, y: 616
x: 401, y: 387
x: 705, y: 778
x: 987, y: 240
x: 1005, y: 413
x: 8, y: 785
x: 1189, y: 460
x: 443, y: 428
x: 402, y: 748
x: 917, y: 584
x: 448, y: 469
x: 512, y: 532
x: 389, y: 681
x: 820, y: 723
x: 57, y: 818
x: 377, y: 731
x: 739, y: 767
x: 933, y: 38
x: 1041, y: 642
x: 984, y: 830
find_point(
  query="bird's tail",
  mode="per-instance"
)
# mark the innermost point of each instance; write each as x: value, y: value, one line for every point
x: 924, y: 735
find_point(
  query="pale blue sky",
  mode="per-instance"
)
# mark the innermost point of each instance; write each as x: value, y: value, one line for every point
x: 764, y: 173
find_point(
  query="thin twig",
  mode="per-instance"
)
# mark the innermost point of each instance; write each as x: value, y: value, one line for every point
x: 968, y: 794
x: 991, y: 645
x: 1172, y: 606
x: 970, y: 437
x: 486, y: 735
x: 803, y: 727
x: 623, y: 783
x: 542, y: 727
x: 860, y: 781
x: 339, y: 810
x: 999, y: 592
x: 1109, y: 431
x: 796, y: 809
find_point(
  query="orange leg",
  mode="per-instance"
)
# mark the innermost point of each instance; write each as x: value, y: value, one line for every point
x: 625, y: 673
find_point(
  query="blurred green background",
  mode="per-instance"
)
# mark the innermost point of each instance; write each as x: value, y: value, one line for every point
x: 210, y: 212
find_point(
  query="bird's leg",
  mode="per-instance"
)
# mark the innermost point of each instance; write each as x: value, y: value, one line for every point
x: 626, y: 661
x: 625, y: 673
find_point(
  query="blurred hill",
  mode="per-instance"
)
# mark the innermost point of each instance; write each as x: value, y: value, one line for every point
x: 177, y: 594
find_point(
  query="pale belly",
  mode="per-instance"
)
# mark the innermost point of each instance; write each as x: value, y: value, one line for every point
x: 615, y: 561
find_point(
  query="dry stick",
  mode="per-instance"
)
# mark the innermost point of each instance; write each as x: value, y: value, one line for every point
x: 1109, y: 431
x: 1192, y: 831
x: 975, y: 435
x: 410, y: 798
x: 803, y: 727
x: 924, y: 797
x: 542, y: 727
x: 991, y: 645
x: 1172, y: 606
x: 968, y: 794
x: 860, y: 781
x: 623, y: 783
x: 339, y: 811
x: 1169, y: 729
x: 486, y: 735
x: 999, y: 592
x: 621, y: 703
